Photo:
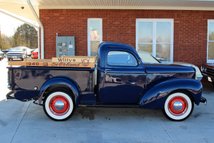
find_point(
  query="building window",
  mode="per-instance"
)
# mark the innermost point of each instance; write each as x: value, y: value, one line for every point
x: 94, y: 35
x: 210, y: 42
x: 156, y: 37
x: 120, y: 58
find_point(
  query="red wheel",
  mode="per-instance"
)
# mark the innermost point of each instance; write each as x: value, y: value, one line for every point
x: 178, y: 106
x: 58, y: 106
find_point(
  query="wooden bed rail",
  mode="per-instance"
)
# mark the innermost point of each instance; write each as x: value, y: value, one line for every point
x: 75, y: 61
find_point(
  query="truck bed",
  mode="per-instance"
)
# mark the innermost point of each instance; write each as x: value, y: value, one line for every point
x: 26, y: 80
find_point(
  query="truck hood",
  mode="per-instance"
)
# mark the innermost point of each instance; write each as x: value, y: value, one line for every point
x: 198, y: 75
x: 171, y: 69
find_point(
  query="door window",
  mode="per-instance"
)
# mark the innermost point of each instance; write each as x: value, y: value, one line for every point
x: 121, y: 58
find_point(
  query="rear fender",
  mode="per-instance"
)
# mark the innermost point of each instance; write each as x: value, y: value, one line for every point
x: 60, y: 81
x: 155, y: 97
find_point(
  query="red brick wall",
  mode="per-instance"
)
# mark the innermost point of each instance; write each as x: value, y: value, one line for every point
x: 190, y: 29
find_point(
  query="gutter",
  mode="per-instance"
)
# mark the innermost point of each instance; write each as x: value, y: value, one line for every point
x: 41, y: 28
x: 18, y: 18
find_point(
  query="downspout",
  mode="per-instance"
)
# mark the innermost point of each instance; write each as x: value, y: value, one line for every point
x: 41, y: 27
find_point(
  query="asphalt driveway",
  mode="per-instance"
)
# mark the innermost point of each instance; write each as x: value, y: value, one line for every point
x: 25, y: 122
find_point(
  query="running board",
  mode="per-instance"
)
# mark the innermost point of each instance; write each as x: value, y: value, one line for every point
x: 111, y: 106
x: 37, y: 102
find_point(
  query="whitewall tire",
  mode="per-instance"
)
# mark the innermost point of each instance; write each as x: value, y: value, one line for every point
x: 58, y: 105
x: 178, y: 106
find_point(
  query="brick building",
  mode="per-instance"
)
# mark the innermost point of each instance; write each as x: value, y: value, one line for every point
x: 183, y: 34
x: 170, y: 30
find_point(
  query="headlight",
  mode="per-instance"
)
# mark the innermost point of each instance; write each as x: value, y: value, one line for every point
x: 198, y: 74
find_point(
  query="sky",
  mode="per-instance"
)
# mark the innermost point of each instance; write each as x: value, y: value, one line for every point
x: 8, y: 25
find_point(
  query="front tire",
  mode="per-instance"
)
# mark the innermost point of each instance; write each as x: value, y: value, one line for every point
x: 178, y: 106
x: 58, y: 106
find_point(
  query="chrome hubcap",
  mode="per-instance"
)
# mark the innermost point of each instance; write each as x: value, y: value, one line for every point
x: 59, y: 105
x: 177, y: 105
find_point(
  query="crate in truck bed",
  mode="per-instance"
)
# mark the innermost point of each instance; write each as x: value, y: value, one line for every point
x: 76, y: 61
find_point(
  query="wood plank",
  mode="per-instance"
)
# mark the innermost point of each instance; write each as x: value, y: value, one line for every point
x: 28, y: 63
x: 76, y: 64
x: 77, y: 61
x: 80, y: 59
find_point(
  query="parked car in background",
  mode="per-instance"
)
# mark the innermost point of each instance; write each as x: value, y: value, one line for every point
x: 16, y: 53
x: 28, y: 50
x: 208, y: 72
x: 35, y: 53
x: 5, y: 51
x: 1, y: 55
x: 148, y: 58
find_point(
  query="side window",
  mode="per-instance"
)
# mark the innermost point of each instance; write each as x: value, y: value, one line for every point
x: 155, y: 36
x: 210, y: 42
x: 95, y: 33
x: 120, y: 58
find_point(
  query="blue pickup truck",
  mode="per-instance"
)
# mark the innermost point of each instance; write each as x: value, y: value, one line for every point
x: 119, y: 79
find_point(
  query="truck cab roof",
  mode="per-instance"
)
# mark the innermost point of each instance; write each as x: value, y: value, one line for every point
x: 105, y: 47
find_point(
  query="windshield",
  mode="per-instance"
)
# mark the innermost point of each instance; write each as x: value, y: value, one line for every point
x: 147, y: 57
x: 16, y: 49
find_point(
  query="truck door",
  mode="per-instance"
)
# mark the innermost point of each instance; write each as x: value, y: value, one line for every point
x: 123, y: 79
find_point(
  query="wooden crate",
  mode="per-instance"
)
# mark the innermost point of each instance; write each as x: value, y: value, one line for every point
x: 77, y: 61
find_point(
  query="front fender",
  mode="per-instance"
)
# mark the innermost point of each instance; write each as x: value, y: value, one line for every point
x: 61, y: 81
x: 155, y: 97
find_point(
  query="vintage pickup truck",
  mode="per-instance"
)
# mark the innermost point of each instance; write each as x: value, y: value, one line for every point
x: 118, y: 79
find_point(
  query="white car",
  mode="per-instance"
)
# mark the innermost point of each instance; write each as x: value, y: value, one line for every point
x: 19, y: 52
x: 26, y: 49
x: 148, y: 58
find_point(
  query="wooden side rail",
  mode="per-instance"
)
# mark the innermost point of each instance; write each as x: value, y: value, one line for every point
x: 75, y: 61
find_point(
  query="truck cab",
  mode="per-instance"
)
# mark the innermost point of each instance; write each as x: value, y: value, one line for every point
x: 121, y: 73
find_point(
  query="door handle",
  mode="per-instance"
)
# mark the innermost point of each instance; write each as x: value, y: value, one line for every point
x: 118, y: 79
x: 133, y: 83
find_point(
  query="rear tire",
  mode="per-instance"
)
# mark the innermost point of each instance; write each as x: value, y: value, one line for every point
x: 58, y: 106
x: 178, y: 106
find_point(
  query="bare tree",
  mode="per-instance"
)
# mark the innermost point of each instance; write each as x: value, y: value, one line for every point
x: 26, y: 35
